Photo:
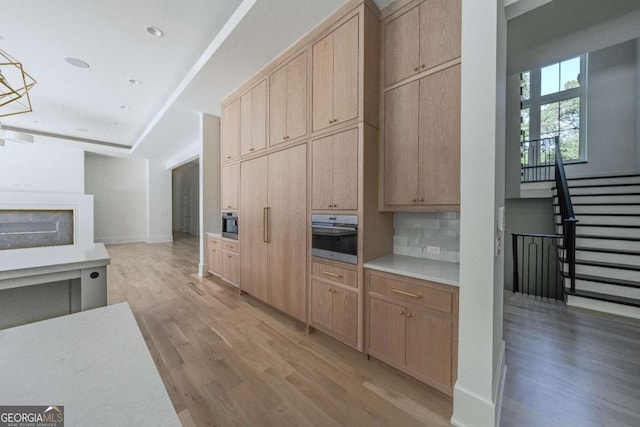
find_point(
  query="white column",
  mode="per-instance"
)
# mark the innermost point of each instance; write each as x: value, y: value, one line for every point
x: 210, y: 219
x: 478, y: 391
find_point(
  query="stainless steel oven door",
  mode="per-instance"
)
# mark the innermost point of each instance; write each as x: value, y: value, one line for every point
x: 337, y: 241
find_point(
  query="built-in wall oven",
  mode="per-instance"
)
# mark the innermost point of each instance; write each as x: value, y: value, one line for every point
x: 230, y: 225
x: 335, y: 237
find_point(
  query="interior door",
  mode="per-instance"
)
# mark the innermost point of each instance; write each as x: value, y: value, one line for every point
x: 251, y: 231
x: 288, y: 230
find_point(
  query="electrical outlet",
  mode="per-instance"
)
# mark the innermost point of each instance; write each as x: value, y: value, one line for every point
x: 433, y: 250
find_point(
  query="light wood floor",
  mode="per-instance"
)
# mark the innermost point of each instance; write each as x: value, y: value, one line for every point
x: 568, y: 366
x: 227, y: 360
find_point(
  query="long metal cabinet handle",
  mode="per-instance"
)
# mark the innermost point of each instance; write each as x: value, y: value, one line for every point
x: 265, y: 225
x: 409, y: 294
x: 328, y: 273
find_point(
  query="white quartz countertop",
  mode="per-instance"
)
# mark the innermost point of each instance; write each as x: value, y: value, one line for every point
x: 16, y: 262
x: 218, y: 235
x: 444, y: 272
x: 94, y: 363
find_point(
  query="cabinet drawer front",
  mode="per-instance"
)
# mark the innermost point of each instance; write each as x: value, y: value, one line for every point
x: 213, y: 242
x: 230, y: 246
x: 422, y: 296
x: 335, y: 274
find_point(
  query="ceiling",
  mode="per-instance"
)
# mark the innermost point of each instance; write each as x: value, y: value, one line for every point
x: 208, y: 49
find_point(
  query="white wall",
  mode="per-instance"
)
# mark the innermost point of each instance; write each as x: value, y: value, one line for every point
x: 119, y: 186
x: 478, y: 391
x: 42, y: 168
x: 158, y: 202
x: 186, y: 180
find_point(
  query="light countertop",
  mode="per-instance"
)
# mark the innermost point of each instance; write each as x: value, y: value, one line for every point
x: 95, y: 363
x: 218, y: 235
x: 20, y: 262
x: 447, y: 273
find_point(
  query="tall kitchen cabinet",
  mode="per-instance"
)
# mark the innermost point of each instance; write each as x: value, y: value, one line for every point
x: 421, y: 111
x: 273, y: 236
x: 288, y: 101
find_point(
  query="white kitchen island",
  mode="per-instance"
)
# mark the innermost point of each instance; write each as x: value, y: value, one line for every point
x: 94, y: 363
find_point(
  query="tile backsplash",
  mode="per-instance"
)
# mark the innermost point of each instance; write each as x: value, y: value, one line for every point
x: 424, y: 234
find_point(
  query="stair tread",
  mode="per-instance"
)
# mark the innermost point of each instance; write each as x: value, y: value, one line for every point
x: 622, y: 184
x: 579, y: 224
x: 604, y: 204
x: 606, y: 280
x: 629, y: 175
x: 603, y: 194
x: 606, y: 250
x: 595, y: 236
x: 605, y: 297
x: 607, y: 214
x: 605, y: 264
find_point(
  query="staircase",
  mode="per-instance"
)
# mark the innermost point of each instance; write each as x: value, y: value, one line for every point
x: 607, y: 244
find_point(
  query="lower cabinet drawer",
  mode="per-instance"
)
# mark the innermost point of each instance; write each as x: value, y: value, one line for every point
x: 423, y: 296
x: 335, y: 273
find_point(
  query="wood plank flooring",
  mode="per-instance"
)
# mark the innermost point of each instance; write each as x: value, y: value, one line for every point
x: 568, y: 366
x: 230, y: 360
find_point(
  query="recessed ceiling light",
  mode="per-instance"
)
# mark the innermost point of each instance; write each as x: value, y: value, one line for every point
x: 125, y: 107
x: 77, y: 62
x: 155, y: 31
x: 117, y: 124
x: 82, y: 130
x: 135, y: 82
x: 36, y: 121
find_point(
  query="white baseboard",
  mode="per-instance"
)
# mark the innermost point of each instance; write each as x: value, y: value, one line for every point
x: 120, y: 240
x: 202, y: 269
x: 604, y: 306
x: 473, y: 410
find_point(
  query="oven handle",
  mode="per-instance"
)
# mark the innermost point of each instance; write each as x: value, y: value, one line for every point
x: 334, y: 228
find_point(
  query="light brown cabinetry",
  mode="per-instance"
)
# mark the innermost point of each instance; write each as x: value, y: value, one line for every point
x: 334, y: 300
x: 230, y: 262
x: 413, y: 326
x: 335, y: 172
x: 214, y: 249
x: 230, y: 133
x: 273, y: 233
x: 253, y: 119
x: 230, y: 186
x: 288, y: 101
x: 335, y: 76
x: 422, y: 143
x: 421, y: 38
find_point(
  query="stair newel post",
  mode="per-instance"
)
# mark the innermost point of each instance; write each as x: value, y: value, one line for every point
x: 516, y: 281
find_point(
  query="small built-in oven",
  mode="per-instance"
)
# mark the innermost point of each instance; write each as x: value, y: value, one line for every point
x: 230, y: 225
x: 335, y: 237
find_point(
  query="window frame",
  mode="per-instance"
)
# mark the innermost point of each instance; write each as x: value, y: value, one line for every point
x: 536, y: 101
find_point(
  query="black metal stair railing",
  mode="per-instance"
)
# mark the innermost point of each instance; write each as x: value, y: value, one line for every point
x: 537, y: 160
x: 538, y: 258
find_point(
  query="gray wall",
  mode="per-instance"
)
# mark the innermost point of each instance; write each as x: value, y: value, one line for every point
x: 186, y: 179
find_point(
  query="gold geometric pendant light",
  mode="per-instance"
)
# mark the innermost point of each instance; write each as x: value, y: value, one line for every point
x: 14, y: 86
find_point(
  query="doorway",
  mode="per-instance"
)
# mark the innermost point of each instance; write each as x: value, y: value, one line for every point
x: 185, y: 199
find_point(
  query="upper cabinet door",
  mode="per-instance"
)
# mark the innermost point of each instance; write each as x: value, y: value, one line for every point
x: 440, y: 138
x: 323, y: 83
x: 230, y: 186
x: 402, y: 46
x: 345, y: 69
x: 335, y: 76
x: 288, y: 101
x: 440, y: 23
x: 322, y: 174
x: 230, y: 146
x: 401, y: 145
x: 253, y: 119
x: 345, y: 170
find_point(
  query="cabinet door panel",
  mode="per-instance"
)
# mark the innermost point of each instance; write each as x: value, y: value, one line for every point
x: 215, y: 260
x: 231, y: 131
x: 345, y: 71
x: 253, y: 200
x: 429, y: 346
x: 230, y: 270
x: 321, y: 304
x: 297, y: 97
x: 278, y: 106
x: 259, y: 117
x: 345, y: 170
x: 401, y: 133
x: 387, y: 330
x: 246, y: 126
x: 322, y: 85
x: 230, y: 181
x: 344, y: 313
x: 440, y: 138
x: 322, y: 173
x: 402, y: 46
x: 288, y: 230
x: 440, y: 23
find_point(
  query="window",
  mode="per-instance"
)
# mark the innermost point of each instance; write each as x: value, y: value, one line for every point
x: 553, y: 104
